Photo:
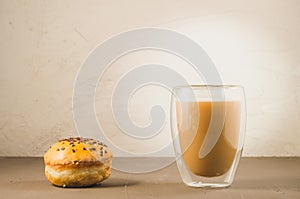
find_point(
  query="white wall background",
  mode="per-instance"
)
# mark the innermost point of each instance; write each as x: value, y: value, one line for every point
x: 43, y: 43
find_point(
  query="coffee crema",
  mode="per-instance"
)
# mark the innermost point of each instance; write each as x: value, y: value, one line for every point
x: 193, y: 132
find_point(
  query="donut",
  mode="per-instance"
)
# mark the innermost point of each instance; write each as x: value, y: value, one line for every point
x: 77, y: 162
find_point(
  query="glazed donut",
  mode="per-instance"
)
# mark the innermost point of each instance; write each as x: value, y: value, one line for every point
x: 77, y: 162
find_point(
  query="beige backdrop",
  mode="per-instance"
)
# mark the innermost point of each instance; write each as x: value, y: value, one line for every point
x: 43, y: 43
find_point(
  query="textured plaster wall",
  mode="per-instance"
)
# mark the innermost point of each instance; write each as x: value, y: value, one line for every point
x: 43, y: 43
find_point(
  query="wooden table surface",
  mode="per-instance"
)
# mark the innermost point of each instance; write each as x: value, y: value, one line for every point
x: 256, y: 178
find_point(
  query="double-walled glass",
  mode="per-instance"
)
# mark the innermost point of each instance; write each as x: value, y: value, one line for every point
x: 208, y: 129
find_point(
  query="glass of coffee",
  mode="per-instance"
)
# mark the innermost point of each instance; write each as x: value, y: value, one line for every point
x: 208, y: 130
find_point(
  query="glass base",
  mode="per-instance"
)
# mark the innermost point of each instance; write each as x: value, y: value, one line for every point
x: 207, y: 185
x: 196, y: 181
